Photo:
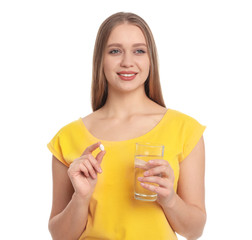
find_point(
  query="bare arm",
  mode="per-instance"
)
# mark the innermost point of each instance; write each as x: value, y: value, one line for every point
x: 186, y: 213
x: 72, y: 191
x: 185, y: 210
x: 69, y: 212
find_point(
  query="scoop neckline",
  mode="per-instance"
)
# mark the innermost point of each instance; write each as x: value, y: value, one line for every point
x: 128, y: 140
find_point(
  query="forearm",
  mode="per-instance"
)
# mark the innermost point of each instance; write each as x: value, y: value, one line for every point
x: 187, y: 220
x: 71, y: 222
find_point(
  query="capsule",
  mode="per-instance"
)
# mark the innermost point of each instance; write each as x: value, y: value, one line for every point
x: 101, y: 147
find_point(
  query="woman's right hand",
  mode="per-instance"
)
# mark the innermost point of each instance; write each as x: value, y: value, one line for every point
x: 83, y: 171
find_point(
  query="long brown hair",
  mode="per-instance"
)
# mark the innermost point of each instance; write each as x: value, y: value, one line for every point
x: 99, y: 89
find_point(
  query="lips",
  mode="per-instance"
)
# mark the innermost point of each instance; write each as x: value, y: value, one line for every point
x: 127, y: 75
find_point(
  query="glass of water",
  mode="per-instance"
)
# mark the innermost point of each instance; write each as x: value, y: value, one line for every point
x: 145, y: 152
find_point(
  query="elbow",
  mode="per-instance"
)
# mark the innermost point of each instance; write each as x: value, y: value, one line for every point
x: 198, y: 231
x: 52, y: 231
x: 194, y: 236
x: 50, y: 228
x: 58, y: 233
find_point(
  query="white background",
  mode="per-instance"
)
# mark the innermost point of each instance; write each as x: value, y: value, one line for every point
x: 205, y: 59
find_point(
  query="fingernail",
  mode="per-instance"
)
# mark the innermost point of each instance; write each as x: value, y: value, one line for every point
x: 151, y: 161
x: 140, y: 178
x: 146, y: 173
x: 100, y: 170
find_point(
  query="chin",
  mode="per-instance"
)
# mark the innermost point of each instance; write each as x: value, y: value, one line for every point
x: 128, y: 89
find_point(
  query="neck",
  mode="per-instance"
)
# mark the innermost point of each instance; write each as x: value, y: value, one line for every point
x: 125, y: 104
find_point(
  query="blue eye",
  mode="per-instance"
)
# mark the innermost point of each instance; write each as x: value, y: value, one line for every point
x: 114, y: 51
x: 139, y: 51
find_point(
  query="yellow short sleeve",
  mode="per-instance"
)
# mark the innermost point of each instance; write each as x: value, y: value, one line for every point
x: 55, y: 148
x: 193, y: 131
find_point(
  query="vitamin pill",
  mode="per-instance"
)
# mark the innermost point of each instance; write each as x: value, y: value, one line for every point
x: 101, y: 147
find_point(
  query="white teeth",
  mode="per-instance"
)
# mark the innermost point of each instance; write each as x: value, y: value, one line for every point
x: 127, y: 75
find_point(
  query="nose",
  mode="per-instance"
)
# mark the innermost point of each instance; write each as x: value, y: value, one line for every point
x: 127, y: 60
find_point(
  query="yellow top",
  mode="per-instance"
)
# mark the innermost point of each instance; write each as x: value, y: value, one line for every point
x: 113, y: 211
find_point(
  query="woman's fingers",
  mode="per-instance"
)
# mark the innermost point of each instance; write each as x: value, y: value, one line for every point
x: 100, y: 156
x: 93, y: 162
x: 87, y: 164
x: 156, y: 162
x: 163, y: 171
x: 150, y: 187
x: 84, y: 170
x: 162, y: 182
x: 161, y: 191
x: 91, y: 148
x: 159, y: 167
x: 159, y: 178
x: 164, y: 187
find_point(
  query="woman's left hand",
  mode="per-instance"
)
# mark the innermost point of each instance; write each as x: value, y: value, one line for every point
x: 160, y: 172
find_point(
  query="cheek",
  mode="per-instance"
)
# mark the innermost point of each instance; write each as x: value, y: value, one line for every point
x: 106, y: 69
x: 145, y: 64
x: 105, y: 64
x: 110, y: 64
x: 109, y: 69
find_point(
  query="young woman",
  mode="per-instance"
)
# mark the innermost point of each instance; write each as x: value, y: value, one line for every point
x: 93, y: 190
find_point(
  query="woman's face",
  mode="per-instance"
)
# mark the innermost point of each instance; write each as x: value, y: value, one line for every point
x: 126, y: 60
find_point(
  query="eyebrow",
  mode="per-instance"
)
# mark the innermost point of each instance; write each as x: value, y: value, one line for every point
x: 120, y: 45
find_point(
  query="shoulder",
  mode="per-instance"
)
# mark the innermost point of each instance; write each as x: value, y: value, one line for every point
x: 183, y: 125
x: 178, y: 117
x: 70, y: 127
x: 186, y: 130
x: 177, y: 114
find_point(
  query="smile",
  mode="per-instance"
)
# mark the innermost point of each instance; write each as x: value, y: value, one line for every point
x: 127, y: 75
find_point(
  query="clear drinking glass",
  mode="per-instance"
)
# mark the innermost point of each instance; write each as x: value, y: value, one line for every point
x: 145, y: 152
